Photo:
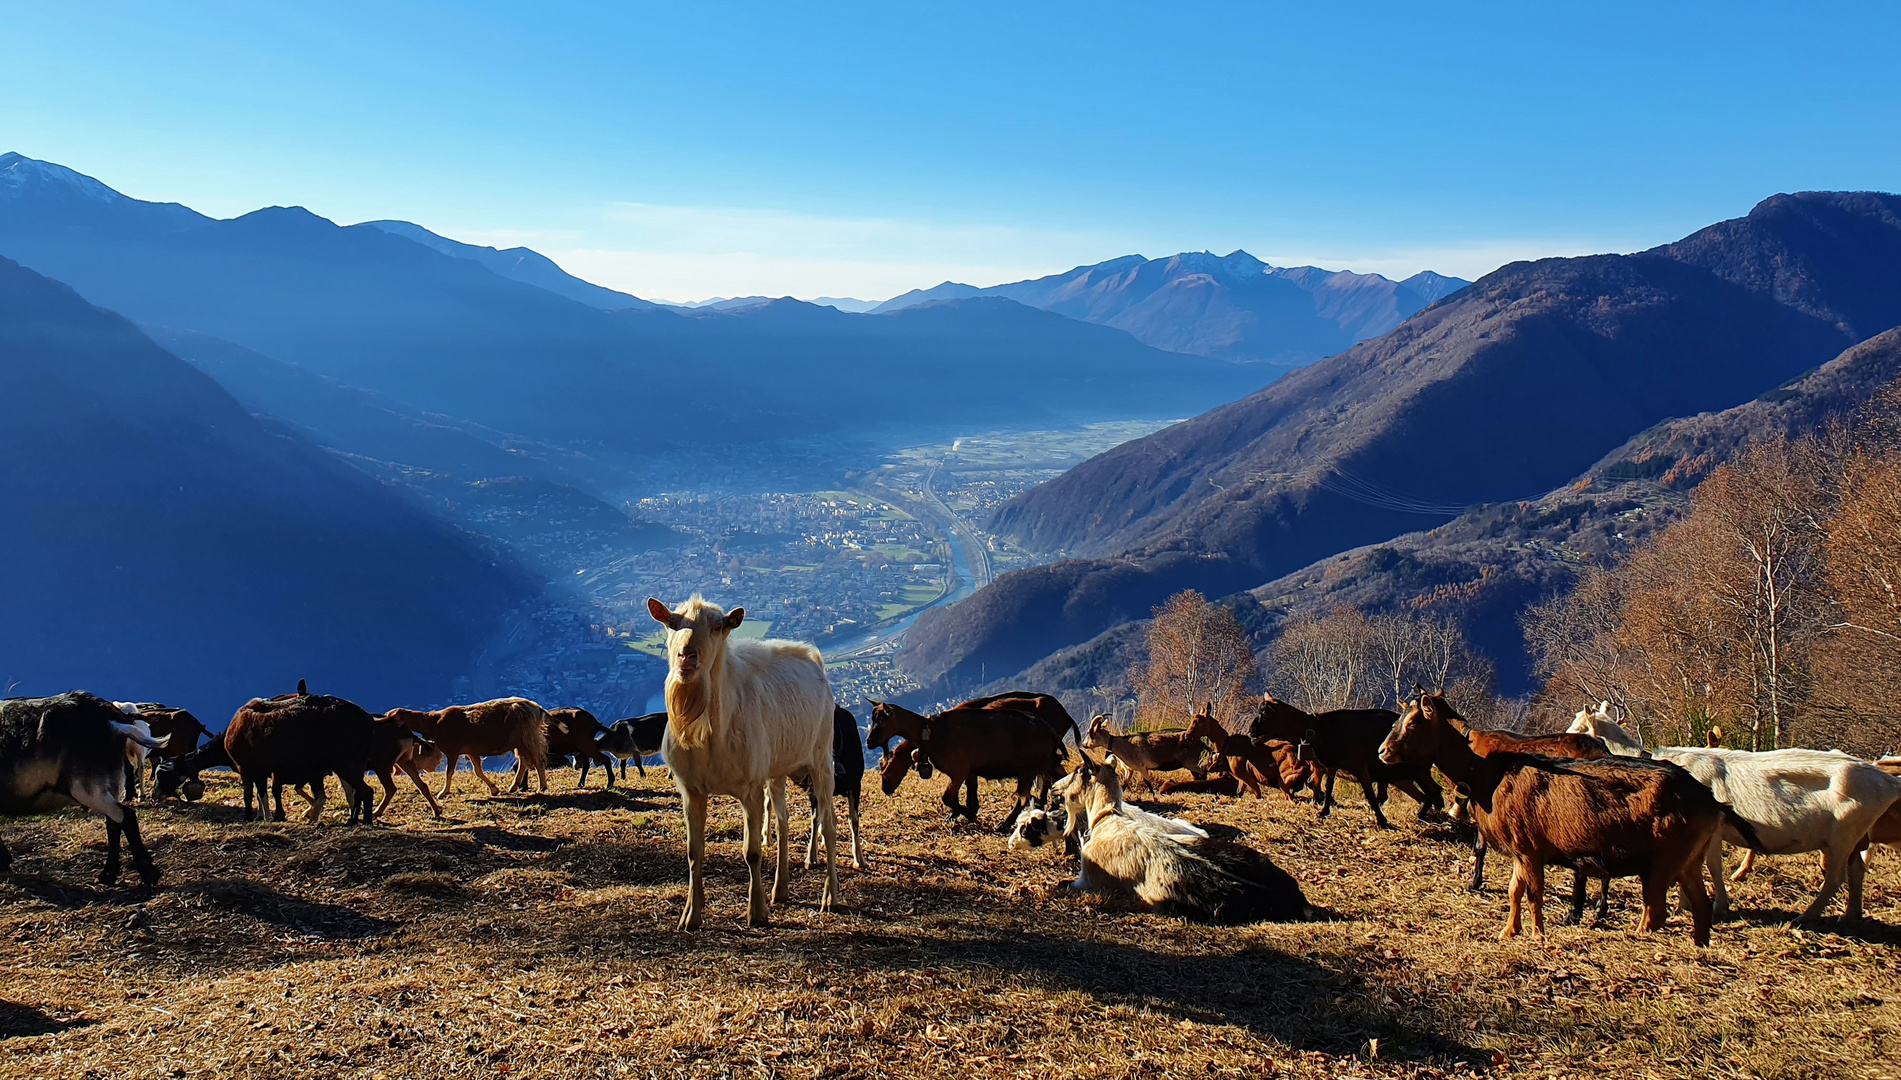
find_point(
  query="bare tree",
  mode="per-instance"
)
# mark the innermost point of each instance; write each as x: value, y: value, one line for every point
x: 1197, y: 653
x: 1321, y: 664
x: 1393, y: 641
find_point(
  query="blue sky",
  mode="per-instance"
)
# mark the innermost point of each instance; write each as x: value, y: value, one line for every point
x: 681, y: 151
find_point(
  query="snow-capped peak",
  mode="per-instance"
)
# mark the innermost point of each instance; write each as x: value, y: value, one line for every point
x: 19, y: 173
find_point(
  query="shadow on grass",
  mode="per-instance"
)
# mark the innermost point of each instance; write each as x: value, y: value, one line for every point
x: 261, y: 902
x: 1867, y: 931
x: 597, y: 799
x: 1289, y: 998
x: 25, y: 1021
x: 68, y: 894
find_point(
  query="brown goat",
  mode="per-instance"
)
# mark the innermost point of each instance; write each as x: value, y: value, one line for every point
x: 1044, y: 707
x: 972, y: 744
x: 575, y: 733
x: 485, y: 730
x: 1346, y: 741
x: 1157, y: 751
x: 298, y: 739
x: 1615, y: 816
x: 394, y: 748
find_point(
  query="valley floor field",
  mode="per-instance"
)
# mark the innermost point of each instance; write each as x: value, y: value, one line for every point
x: 533, y: 936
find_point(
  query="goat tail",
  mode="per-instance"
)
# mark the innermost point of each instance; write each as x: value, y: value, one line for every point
x: 533, y: 726
x: 1742, y: 826
x: 143, y: 738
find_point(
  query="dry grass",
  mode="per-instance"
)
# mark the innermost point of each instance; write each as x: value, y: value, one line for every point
x: 534, y: 936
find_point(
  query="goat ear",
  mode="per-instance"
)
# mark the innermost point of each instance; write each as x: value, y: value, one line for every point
x: 662, y: 614
x: 735, y: 617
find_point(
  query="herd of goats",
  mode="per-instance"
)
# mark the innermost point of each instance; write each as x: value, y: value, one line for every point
x: 745, y: 715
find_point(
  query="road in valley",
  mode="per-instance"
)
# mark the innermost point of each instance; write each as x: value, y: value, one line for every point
x: 970, y: 565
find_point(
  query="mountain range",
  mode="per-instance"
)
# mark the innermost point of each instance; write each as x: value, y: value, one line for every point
x: 1232, y: 306
x: 164, y: 542
x: 1497, y: 394
x: 461, y: 331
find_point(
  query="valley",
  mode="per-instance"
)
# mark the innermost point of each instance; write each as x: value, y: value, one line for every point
x: 849, y: 567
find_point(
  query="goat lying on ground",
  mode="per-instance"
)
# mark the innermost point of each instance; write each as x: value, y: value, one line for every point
x: 70, y: 750
x: 1192, y: 878
x: 1149, y: 752
x: 1612, y: 816
x: 1037, y: 827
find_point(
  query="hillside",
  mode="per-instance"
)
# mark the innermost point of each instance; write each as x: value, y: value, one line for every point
x: 1233, y: 306
x: 1501, y: 392
x: 161, y: 544
x: 445, y: 334
x: 365, y: 424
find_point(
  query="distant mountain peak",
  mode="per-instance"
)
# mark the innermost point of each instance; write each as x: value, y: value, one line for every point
x: 19, y: 173
x: 517, y: 263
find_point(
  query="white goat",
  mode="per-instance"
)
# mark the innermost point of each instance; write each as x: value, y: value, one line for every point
x: 1165, y: 871
x: 1036, y: 827
x: 1615, y: 738
x: 743, y: 716
x: 1798, y: 800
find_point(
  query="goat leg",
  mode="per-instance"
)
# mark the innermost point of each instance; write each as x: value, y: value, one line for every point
x: 754, y: 802
x: 693, y: 807
x: 110, y: 875
x: 1379, y: 819
x: 6, y: 860
x: 857, y: 851
x: 1580, y: 894
x: 782, y: 874
x: 1477, y: 884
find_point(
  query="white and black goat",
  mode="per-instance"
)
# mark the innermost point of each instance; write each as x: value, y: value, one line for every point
x: 71, y: 750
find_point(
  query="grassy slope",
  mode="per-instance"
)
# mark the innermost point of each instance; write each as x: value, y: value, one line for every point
x: 534, y: 937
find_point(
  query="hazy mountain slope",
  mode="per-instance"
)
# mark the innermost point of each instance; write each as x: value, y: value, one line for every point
x: 363, y: 423
x: 518, y: 264
x: 1502, y: 391
x: 162, y: 544
x: 446, y: 335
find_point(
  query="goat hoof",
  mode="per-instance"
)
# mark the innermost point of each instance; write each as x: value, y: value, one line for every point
x: 148, y: 875
x: 107, y: 877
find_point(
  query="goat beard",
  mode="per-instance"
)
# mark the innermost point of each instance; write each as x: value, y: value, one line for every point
x: 689, y: 713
